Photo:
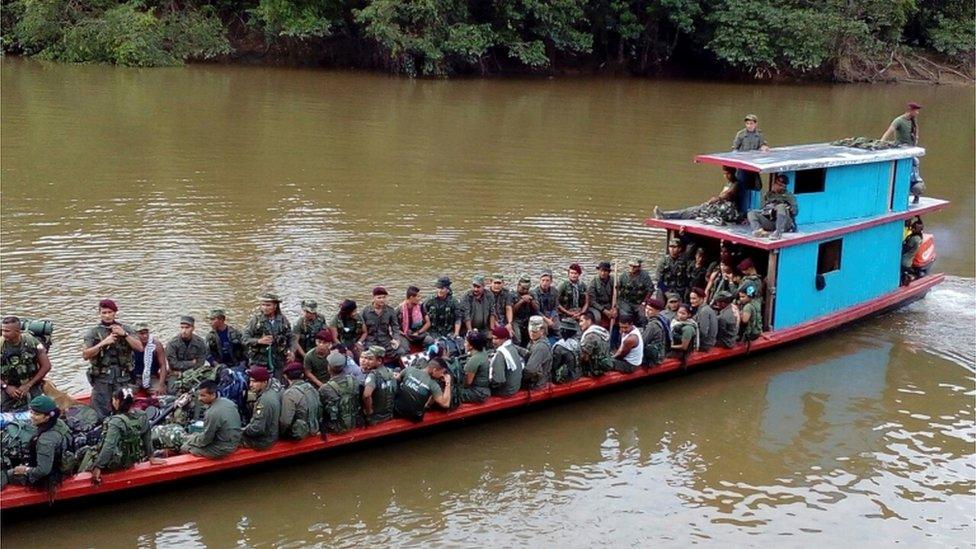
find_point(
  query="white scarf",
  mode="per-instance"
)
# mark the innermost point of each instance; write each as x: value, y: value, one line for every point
x: 148, y: 355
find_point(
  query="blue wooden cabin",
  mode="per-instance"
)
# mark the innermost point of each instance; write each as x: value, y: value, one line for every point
x: 852, y: 207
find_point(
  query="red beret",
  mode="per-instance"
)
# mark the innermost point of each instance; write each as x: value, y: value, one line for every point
x: 259, y: 373
x: 914, y: 106
x: 656, y: 303
x: 325, y: 335
x: 108, y: 304
x: 380, y: 290
x: 698, y: 291
x: 500, y: 332
x: 293, y: 366
x: 746, y: 264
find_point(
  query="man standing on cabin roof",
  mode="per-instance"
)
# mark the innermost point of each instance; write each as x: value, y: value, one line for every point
x: 776, y: 213
x: 523, y: 309
x: 547, y: 297
x: 268, y: 336
x: 632, y: 288
x: 221, y: 425
x: 225, y: 342
x: 505, y: 368
x: 502, y: 300
x: 22, y: 368
x: 600, y: 294
x: 706, y: 318
x: 262, y: 431
x: 717, y: 210
x: 476, y: 306
x: 728, y: 320
x: 108, y: 349
x: 672, y: 271
x: 380, y: 320
x: 750, y: 138
x: 306, y: 327
x: 573, y: 297
x: 444, y: 311
x: 379, y: 390
x: 186, y: 351
x: 903, y: 130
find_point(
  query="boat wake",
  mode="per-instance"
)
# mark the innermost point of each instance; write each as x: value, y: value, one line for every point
x: 942, y: 323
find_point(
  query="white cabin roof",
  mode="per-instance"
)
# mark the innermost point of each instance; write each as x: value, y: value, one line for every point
x: 806, y: 157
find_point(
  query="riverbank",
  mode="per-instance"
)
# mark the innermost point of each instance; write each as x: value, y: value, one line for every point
x: 725, y: 39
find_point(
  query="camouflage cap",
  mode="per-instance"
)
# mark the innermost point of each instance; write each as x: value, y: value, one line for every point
x: 187, y: 319
x: 569, y: 324
x: 216, y: 313
x: 673, y: 296
x: 375, y: 351
x: 497, y: 276
x: 536, y: 323
x: 269, y: 297
x: 309, y: 305
x: 478, y: 280
x: 635, y: 262
x: 751, y: 118
x: 525, y: 279
x: 142, y: 327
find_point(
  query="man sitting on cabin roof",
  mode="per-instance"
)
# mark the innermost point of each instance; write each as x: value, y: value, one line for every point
x: 776, y: 213
x: 717, y: 210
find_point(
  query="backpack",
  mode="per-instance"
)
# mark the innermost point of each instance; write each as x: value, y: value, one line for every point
x: 344, y: 411
x: 232, y: 385
x: 565, y: 362
x: 81, y: 421
x: 14, y: 442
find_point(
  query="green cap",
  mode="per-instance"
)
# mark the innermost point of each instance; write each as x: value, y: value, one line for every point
x: 375, y: 351
x: 723, y: 296
x: 673, y: 296
x: 635, y: 262
x: 525, y: 279
x: 309, y: 305
x: 216, y: 313
x: 142, y: 327
x: 269, y: 297
x: 479, y: 280
x: 187, y: 319
x: 497, y: 276
x: 43, y: 404
x: 751, y: 117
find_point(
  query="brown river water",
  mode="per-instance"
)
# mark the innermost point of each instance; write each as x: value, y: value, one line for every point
x: 174, y: 191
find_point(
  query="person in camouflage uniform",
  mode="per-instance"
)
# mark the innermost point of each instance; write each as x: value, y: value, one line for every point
x: 268, y: 336
x: 672, y: 271
x: 225, y: 342
x: 381, y: 325
x: 717, y: 210
x: 525, y: 307
x: 306, y: 327
x: 632, y: 287
x: 572, y: 293
x: 444, y: 311
x: 187, y: 351
x: 108, y: 349
x: 347, y: 326
x: 23, y: 365
x: 502, y: 300
x: 547, y: 297
x: 476, y: 306
x: 600, y: 294
x: 595, y: 356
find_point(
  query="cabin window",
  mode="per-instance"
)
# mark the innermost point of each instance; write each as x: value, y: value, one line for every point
x: 809, y: 181
x: 891, y: 186
x: 828, y: 256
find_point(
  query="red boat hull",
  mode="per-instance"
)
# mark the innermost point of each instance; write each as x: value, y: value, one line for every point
x: 184, y: 466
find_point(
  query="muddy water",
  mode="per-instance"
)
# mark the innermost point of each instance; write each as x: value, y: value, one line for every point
x: 176, y: 191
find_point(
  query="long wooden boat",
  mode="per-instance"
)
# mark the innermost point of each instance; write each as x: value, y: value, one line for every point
x: 183, y: 466
x: 840, y: 265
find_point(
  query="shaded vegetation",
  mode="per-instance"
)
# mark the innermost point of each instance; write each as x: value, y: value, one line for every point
x: 827, y: 39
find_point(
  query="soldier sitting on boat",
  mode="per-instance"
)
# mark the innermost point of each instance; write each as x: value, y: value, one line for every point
x: 717, y: 210
x: 776, y: 213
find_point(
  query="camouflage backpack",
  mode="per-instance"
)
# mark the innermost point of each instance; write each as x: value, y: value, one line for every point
x: 170, y: 436
x: 344, y: 412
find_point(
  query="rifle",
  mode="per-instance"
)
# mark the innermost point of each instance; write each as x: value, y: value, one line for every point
x: 613, y: 300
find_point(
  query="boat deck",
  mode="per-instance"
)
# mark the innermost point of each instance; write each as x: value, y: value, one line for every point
x: 740, y: 234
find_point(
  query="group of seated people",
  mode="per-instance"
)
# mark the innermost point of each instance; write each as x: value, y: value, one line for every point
x: 492, y: 341
x: 776, y: 213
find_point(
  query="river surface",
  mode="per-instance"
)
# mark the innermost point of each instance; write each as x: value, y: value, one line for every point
x: 174, y: 191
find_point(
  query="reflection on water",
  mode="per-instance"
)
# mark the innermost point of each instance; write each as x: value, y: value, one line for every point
x: 176, y: 191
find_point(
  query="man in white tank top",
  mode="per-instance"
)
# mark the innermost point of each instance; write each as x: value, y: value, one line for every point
x: 631, y: 352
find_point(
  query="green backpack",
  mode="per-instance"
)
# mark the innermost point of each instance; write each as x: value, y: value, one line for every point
x: 344, y: 412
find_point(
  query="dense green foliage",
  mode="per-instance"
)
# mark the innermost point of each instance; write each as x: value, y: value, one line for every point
x: 761, y: 38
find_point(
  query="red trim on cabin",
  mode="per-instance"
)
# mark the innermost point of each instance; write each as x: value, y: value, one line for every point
x: 791, y: 239
x: 183, y: 466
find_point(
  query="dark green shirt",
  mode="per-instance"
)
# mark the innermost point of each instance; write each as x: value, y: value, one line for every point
x: 229, y: 357
x: 499, y: 301
x: 905, y: 130
x: 348, y: 329
x: 262, y: 431
x: 633, y: 289
x: 477, y: 310
x: 221, y: 430
x: 118, y: 354
x: 746, y: 140
x: 728, y: 328
x: 277, y: 327
x: 379, y: 325
x: 184, y: 354
x: 601, y: 293
x: 305, y: 330
x: 416, y: 389
x: 443, y: 313
x: 477, y: 364
x: 572, y: 296
x: 318, y: 365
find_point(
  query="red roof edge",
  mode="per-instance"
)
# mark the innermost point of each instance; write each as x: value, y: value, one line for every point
x: 709, y: 159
